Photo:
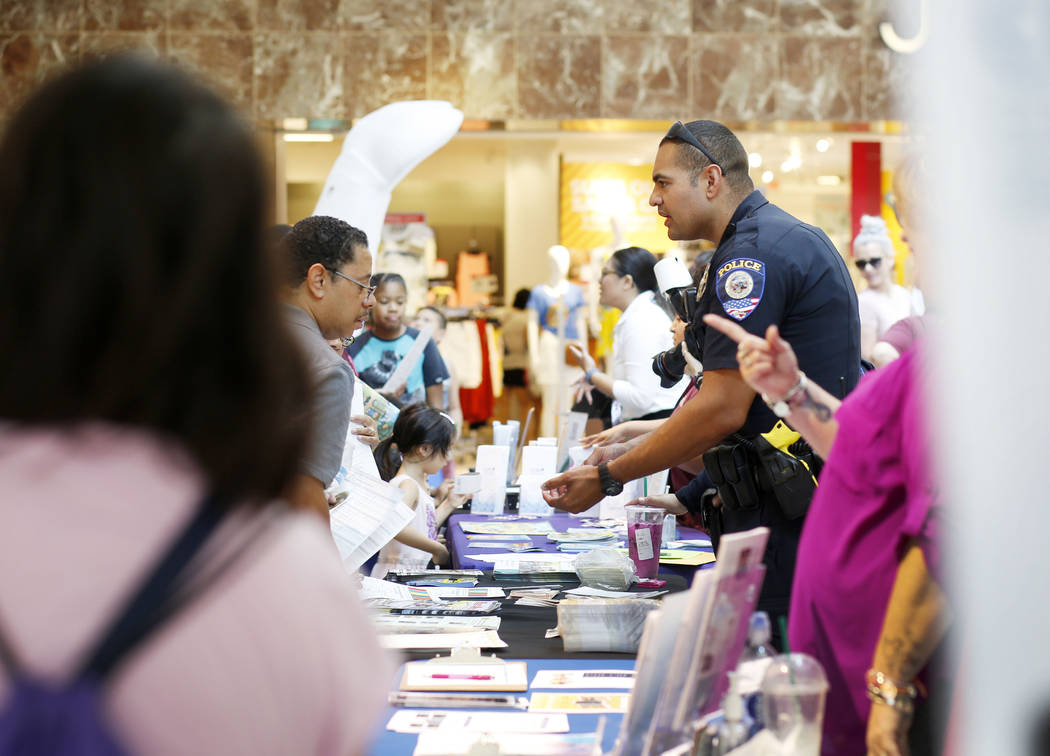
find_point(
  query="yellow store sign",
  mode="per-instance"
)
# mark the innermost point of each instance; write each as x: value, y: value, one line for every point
x: 592, y: 194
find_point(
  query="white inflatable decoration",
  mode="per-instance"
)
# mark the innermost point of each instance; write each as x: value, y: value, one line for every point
x: 380, y: 150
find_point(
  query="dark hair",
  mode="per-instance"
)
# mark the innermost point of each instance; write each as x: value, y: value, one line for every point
x: 723, y: 145
x: 638, y: 263
x: 521, y: 299
x: 416, y: 425
x: 276, y: 233
x: 320, y: 239
x: 440, y: 315
x: 131, y: 218
x: 378, y: 279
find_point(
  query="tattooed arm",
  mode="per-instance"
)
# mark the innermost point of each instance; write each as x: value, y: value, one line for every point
x: 917, y: 617
x: 770, y: 367
x: 813, y: 415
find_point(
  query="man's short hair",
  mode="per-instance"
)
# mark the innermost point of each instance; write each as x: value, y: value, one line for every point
x: 723, y: 145
x: 319, y: 239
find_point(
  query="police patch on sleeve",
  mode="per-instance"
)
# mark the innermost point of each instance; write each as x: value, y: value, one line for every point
x: 739, y: 285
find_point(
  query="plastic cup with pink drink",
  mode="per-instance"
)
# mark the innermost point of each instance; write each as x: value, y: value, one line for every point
x: 644, y: 529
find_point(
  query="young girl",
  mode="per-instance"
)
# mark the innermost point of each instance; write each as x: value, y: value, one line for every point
x: 377, y: 352
x: 420, y: 446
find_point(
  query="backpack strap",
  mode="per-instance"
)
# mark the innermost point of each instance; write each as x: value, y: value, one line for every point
x: 155, y: 599
x: 8, y: 659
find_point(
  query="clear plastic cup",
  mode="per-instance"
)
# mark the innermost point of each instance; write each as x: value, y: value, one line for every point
x: 793, y: 692
x: 644, y: 530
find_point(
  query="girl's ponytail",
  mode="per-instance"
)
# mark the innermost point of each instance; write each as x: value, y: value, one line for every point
x: 388, y: 459
x: 416, y: 425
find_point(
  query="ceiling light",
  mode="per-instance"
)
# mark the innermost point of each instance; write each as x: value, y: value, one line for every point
x: 308, y: 137
x: 767, y: 177
x: 823, y: 145
x: 829, y: 180
x: 793, y: 162
x: 754, y: 160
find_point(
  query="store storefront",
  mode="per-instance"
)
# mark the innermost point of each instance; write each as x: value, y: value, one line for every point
x: 512, y: 190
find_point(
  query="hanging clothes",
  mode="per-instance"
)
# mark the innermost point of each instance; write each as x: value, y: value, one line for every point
x: 471, y: 265
x: 477, y: 403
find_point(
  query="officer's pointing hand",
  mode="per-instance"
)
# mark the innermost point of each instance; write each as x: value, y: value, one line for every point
x: 768, y: 365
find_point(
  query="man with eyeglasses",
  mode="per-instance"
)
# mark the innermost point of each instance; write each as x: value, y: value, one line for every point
x: 327, y: 265
x: 769, y: 270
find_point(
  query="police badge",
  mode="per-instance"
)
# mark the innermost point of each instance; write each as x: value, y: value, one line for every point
x: 739, y: 285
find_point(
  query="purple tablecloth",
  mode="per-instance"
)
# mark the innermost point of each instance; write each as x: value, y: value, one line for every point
x: 458, y: 543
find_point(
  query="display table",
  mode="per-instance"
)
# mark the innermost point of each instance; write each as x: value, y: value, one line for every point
x: 402, y: 744
x: 458, y: 543
x: 523, y: 628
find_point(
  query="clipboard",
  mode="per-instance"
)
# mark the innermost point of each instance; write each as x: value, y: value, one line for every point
x: 465, y: 669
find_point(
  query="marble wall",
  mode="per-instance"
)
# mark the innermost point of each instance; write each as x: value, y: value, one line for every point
x: 733, y: 60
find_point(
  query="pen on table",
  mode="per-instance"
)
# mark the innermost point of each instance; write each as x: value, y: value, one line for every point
x: 460, y: 677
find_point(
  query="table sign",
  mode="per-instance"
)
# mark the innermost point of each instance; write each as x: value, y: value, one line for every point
x: 491, y: 464
x: 538, y: 464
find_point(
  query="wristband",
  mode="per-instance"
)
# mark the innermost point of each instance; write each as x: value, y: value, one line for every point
x: 589, y: 374
x: 881, y: 689
x: 782, y: 407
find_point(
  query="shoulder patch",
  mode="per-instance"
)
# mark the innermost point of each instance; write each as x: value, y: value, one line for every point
x: 739, y: 286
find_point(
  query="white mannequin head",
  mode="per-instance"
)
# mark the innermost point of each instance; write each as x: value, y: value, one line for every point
x: 558, y: 260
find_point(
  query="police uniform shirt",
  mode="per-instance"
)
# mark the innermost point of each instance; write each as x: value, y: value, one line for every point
x: 772, y: 269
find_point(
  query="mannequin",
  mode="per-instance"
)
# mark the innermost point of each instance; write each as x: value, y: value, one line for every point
x: 379, y: 151
x: 556, y: 315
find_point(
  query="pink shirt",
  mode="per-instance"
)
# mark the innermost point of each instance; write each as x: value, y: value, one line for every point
x: 277, y: 657
x: 875, y: 495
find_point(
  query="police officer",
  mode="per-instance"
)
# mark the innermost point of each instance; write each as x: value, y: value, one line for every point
x: 769, y: 269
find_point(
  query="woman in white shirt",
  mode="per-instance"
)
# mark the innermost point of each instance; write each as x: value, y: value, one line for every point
x: 628, y: 283
x: 884, y: 302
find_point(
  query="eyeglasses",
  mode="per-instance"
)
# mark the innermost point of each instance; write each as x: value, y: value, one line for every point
x: 369, y: 289
x: 608, y: 272
x: 874, y: 262
x: 679, y: 131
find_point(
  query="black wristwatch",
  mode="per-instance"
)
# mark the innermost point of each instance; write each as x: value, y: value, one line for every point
x: 610, y: 486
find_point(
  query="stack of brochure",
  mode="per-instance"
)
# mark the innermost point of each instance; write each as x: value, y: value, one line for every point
x: 603, y: 624
x: 543, y: 597
x: 434, y: 608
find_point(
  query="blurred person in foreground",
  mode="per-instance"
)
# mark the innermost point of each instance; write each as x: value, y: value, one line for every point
x: 131, y: 209
x: 326, y: 296
x: 867, y: 600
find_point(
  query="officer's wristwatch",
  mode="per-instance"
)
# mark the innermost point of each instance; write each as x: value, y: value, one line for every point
x: 610, y: 486
x: 782, y: 407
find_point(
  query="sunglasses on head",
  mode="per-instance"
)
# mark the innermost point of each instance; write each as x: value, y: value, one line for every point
x: 874, y: 262
x: 680, y: 132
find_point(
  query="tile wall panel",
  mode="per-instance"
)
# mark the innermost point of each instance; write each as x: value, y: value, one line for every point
x: 755, y: 60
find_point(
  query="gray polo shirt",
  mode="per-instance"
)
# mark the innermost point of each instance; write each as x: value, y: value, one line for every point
x: 333, y: 387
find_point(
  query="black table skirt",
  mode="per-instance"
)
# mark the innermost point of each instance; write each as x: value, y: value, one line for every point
x: 523, y: 627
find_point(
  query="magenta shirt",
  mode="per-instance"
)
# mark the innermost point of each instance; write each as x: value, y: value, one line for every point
x: 875, y: 495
